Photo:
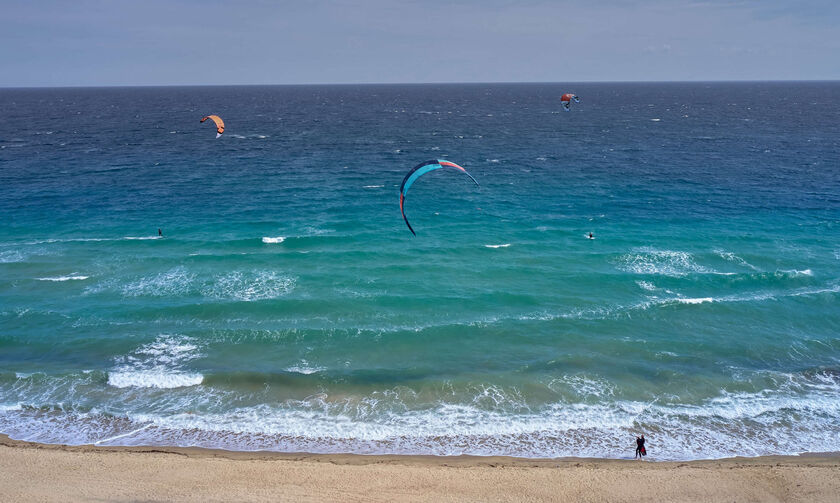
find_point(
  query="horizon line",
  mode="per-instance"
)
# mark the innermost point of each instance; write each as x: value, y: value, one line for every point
x: 324, y: 84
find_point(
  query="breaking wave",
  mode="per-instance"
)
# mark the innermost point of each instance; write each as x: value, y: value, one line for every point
x: 74, y: 277
x: 157, y: 365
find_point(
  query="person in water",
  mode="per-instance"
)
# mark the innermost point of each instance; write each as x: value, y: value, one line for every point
x: 640, y: 447
x: 590, y: 236
x: 160, y: 233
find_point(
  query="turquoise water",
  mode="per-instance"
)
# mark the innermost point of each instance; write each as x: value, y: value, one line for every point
x: 287, y: 306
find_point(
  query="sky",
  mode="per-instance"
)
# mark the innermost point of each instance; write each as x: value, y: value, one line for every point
x: 212, y: 42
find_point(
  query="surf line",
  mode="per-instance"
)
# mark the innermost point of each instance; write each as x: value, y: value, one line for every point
x: 123, y: 435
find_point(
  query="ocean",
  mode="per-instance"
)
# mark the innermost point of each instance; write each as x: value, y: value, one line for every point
x: 287, y: 307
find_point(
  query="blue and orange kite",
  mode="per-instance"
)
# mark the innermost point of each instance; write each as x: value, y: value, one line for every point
x: 566, y: 101
x: 420, y: 170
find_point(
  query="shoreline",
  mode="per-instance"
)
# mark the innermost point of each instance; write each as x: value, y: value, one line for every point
x: 48, y: 472
x: 406, y: 459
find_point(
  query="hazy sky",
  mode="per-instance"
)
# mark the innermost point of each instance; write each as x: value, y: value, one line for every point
x: 148, y: 42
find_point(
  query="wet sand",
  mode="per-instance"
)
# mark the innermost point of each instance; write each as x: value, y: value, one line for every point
x: 38, y: 472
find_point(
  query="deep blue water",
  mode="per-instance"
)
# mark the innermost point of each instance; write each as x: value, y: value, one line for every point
x: 288, y: 307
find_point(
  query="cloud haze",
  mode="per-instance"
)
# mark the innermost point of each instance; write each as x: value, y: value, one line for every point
x: 121, y: 42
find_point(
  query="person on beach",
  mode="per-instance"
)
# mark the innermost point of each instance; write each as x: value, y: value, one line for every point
x: 640, y: 447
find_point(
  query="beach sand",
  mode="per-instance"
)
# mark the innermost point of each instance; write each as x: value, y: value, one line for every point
x: 37, y: 472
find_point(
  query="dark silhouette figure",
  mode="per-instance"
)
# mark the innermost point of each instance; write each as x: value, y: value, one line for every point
x: 160, y: 233
x: 640, y: 447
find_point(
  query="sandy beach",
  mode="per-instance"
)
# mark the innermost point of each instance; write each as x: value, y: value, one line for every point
x: 37, y: 472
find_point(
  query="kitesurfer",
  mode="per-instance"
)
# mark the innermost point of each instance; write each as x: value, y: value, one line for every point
x: 640, y: 447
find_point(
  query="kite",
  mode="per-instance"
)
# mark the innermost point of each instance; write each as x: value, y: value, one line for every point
x: 566, y: 101
x: 420, y: 170
x: 220, y: 124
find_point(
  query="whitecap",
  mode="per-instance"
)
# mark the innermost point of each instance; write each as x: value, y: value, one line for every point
x: 701, y: 300
x: 646, y: 285
x: 498, y: 246
x: 64, y: 278
x: 250, y: 286
x: 153, y: 379
x: 275, y: 240
x: 11, y: 256
x: 664, y: 262
x: 174, y: 282
x: 373, y: 186
x: 304, y: 367
x: 735, y: 258
x: 158, y: 364
x: 797, y: 272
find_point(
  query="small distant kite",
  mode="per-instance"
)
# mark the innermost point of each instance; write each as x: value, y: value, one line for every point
x: 420, y: 170
x: 220, y: 124
x: 566, y: 101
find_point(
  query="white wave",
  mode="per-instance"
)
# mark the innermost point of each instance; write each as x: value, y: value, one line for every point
x: 701, y: 300
x: 583, y: 386
x: 735, y: 258
x: 655, y: 120
x: 153, y: 379
x: 316, y: 231
x: 67, y: 240
x: 497, y: 422
x: 64, y: 278
x: 142, y: 238
x: 250, y: 286
x: 270, y: 240
x: 158, y: 364
x: 122, y: 435
x: 751, y: 297
x: 646, y: 285
x: 11, y: 256
x: 304, y: 367
x: 796, y: 272
x: 798, y: 414
x: 174, y: 282
x: 662, y: 262
x: 498, y: 246
x: 373, y: 186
